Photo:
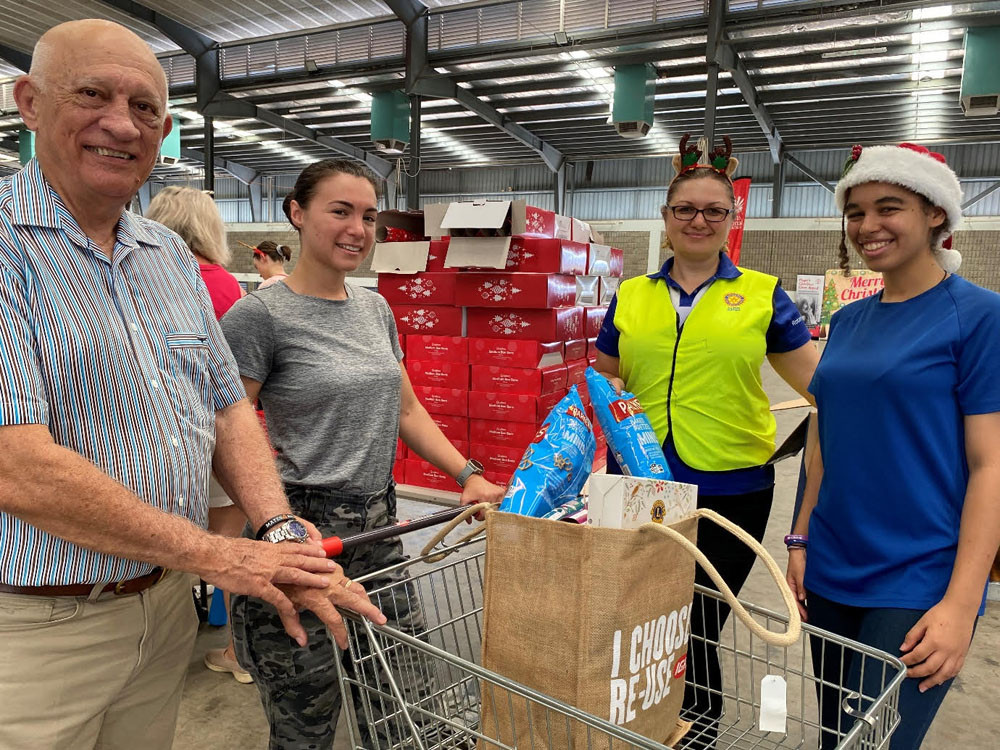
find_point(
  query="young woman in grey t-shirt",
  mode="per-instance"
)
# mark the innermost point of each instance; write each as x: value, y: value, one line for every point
x: 323, y: 356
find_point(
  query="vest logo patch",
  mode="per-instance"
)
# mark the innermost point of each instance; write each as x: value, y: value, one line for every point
x: 734, y: 300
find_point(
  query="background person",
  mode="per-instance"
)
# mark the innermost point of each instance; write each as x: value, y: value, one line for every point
x: 269, y: 261
x: 900, y: 515
x: 689, y: 341
x: 324, y: 358
x: 193, y: 215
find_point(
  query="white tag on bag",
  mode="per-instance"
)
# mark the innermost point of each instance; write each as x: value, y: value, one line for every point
x: 773, y: 704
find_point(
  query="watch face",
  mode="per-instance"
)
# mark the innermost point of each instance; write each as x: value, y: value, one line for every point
x: 297, y: 530
x: 477, y: 468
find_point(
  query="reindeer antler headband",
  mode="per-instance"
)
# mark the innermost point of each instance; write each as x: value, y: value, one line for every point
x: 720, y: 159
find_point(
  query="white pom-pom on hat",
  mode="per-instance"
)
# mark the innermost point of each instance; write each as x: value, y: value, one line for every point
x: 917, y: 169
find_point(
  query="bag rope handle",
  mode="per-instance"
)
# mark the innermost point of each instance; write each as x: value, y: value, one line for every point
x: 792, y: 633
x: 450, y: 526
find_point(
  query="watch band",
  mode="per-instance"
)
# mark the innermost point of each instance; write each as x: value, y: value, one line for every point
x: 270, y: 524
x: 284, y: 532
x: 471, y: 467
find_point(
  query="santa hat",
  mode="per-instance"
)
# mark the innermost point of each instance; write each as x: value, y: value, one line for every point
x: 914, y: 168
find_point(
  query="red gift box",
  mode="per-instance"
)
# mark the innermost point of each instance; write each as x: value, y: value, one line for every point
x: 593, y: 319
x: 592, y: 348
x: 575, y: 370
x: 400, y: 449
x: 436, y: 254
x: 440, y: 374
x: 497, y: 477
x: 575, y: 349
x: 438, y: 348
x: 556, y: 324
x: 531, y: 381
x: 495, y: 432
x: 462, y: 446
x: 515, y: 407
x: 538, y: 222
x: 417, y: 288
x: 514, y: 352
x: 454, y: 428
x: 399, y: 472
x: 497, y: 458
x: 424, y: 474
x: 609, y: 288
x: 616, y: 263
x: 517, y: 290
x: 451, y: 401
x: 546, y: 255
x: 440, y: 320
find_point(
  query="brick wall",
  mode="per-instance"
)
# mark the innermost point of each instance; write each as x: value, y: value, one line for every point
x: 635, y: 245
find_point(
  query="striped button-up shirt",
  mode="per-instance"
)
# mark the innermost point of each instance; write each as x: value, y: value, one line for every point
x: 121, y: 359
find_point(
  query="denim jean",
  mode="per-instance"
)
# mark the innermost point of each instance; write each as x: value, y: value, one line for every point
x: 882, y: 628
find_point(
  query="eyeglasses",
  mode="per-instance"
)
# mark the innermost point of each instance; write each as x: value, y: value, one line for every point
x: 713, y: 214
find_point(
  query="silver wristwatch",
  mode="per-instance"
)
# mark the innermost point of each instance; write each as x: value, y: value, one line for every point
x: 288, y: 531
x: 472, y: 467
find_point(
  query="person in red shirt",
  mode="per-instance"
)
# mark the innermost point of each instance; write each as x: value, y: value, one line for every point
x: 193, y: 215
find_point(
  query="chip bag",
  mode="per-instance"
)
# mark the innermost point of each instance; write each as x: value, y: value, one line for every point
x: 556, y: 464
x: 630, y: 435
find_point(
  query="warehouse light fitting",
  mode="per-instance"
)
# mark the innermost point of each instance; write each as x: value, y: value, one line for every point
x: 853, y: 52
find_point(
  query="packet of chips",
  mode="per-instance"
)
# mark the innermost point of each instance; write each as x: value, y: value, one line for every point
x: 556, y: 464
x: 630, y: 435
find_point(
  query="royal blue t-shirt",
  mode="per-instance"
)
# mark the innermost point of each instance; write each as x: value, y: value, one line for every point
x: 892, y: 387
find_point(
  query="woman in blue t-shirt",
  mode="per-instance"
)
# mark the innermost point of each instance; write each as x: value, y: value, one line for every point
x: 900, y: 515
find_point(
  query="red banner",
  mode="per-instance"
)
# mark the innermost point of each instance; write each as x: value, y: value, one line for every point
x: 741, y: 192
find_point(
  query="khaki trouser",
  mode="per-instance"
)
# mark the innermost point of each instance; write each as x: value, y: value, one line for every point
x: 101, y: 672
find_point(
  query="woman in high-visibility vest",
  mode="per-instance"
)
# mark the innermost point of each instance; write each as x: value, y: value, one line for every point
x: 689, y: 341
x: 900, y: 517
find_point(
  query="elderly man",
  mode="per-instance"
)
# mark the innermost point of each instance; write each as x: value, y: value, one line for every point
x: 118, y: 395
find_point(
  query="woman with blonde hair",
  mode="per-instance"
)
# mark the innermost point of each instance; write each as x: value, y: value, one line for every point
x: 269, y: 259
x: 194, y: 216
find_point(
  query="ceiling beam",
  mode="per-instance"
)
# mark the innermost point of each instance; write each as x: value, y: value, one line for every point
x: 213, y: 101
x: 244, y: 174
x: 18, y: 58
x: 419, y: 80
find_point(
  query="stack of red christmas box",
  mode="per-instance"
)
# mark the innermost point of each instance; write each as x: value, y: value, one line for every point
x: 499, y: 311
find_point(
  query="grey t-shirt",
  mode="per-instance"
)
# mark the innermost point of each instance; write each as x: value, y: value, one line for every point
x: 330, y: 379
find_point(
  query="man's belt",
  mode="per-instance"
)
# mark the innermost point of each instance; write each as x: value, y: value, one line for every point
x: 119, y: 588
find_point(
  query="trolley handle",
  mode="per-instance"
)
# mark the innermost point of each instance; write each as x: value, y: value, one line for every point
x: 335, y: 545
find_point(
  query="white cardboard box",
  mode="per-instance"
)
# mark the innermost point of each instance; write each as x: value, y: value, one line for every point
x: 623, y: 502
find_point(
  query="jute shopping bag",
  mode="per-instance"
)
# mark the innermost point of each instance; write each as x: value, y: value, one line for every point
x: 596, y: 618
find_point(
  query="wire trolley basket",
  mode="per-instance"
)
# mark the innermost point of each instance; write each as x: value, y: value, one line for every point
x: 416, y: 683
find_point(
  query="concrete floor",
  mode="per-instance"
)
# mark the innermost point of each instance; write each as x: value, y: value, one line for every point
x: 220, y: 714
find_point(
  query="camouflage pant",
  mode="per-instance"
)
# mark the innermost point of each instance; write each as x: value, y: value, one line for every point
x: 298, y: 686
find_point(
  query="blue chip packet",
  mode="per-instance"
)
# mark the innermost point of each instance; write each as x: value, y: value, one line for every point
x: 556, y: 463
x: 630, y: 435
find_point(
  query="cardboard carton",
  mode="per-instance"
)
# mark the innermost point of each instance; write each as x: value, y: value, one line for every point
x: 514, y: 352
x: 423, y: 474
x: 575, y: 370
x: 515, y: 290
x: 440, y: 320
x: 418, y: 288
x: 438, y: 373
x: 502, y: 459
x: 438, y: 348
x: 594, y: 319
x: 395, y: 256
x: 609, y: 288
x: 555, y: 324
x: 451, y: 401
x: 495, y: 432
x: 575, y: 349
x: 623, y: 502
x: 530, y: 381
x: 454, y: 428
x: 588, y: 290
x: 546, y: 255
x: 514, y: 407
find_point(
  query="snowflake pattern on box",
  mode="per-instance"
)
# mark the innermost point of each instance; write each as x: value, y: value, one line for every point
x: 534, y: 223
x: 497, y: 290
x: 418, y: 288
x: 420, y: 319
x: 517, y: 256
x: 508, y: 324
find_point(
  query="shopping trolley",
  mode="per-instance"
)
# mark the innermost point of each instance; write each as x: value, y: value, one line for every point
x: 424, y: 689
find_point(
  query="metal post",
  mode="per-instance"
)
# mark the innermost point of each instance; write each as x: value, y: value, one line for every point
x: 778, y: 188
x: 559, y: 188
x: 716, y: 9
x: 256, y: 200
x: 413, y: 171
x: 209, y: 150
